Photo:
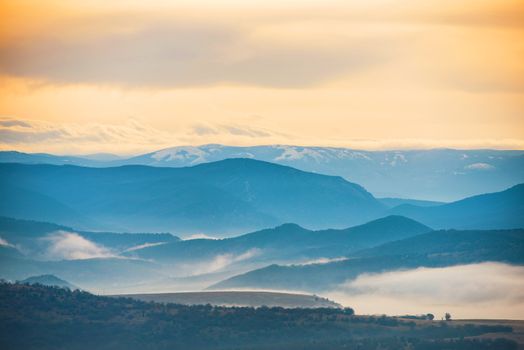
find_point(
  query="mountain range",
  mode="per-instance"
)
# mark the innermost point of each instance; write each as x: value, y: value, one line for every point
x: 225, y: 198
x: 435, y: 174
x: 432, y: 249
x: 34, y: 248
x: 93, y: 225
x: 229, y: 196
x: 503, y: 209
x: 288, y: 242
x: 319, y: 260
x: 33, y: 236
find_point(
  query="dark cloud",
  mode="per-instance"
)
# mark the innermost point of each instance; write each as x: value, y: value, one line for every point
x: 13, y: 122
x: 203, y: 130
x: 34, y: 132
x: 231, y: 129
x: 27, y: 137
x: 246, y: 131
x: 132, y: 132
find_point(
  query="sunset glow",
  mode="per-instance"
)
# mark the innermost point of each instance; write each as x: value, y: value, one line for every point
x: 127, y: 77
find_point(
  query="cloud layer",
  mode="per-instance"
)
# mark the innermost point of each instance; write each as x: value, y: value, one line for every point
x: 71, y: 246
x: 21, y: 132
x: 487, y: 290
x: 5, y: 243
x: 135, y: 137
x: 375, y: 74
x: 173, y: 52
x: 294, y: 46
x: 218, y: 263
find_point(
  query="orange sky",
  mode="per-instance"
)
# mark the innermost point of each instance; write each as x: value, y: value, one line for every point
x: 133, y: 76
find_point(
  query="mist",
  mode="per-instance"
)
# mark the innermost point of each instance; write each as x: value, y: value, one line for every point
x: 486, y: 290
x: 218, y: 263
x: 72, y: 246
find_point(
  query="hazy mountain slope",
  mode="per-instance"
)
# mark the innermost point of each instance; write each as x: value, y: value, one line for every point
x: 49, y: 280
x: 288, y: 242
x: 394, y: 202
x: 32, y: 236
x: 91, y: 259
x: 438, y: 248
x: 44, y: 158
x: 20, y: 202
x: 233, y: 195
x: 488, y: 211
x: 437, y: 174
x: 97, y: 274
x: 87, y: 259
x: 488, y: 245
x: 8, y: 251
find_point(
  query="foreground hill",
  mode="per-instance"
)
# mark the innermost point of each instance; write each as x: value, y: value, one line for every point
x: 288, y: 242
x: 233, y: 195
x: 488, y: 211
x: 438, y: 174
x: 238, y: 298
x: 433, y: 249
x: 39, y: 317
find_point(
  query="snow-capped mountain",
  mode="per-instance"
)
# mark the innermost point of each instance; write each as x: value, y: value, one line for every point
x: 437, y: 174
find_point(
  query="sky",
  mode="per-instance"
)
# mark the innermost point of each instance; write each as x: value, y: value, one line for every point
x: 126, y: 77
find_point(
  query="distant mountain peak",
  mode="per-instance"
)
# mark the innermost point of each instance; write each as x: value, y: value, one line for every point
x: 497, y: 210
x: 289, y: 226
x: 232, y: 195
x: 49, y: 280
x: 394, y: 219
x: 434, y: 174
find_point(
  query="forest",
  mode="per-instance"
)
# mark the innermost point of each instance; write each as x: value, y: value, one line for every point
x: 43, y: 317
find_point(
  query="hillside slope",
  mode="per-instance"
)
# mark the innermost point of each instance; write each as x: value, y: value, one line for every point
x: 238, y: 298
x: 500, y: 210
x: 433, y: 249
x: 287, y: 242
x: 37, y: 317
x: 234, y: 195
x: 49, y: 280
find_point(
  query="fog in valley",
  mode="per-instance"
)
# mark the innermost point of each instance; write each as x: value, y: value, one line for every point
x: 487, y: 290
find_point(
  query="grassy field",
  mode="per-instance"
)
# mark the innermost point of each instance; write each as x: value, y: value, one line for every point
x: 517, y: 333
x: 238, y: 298
x: 517, y: 325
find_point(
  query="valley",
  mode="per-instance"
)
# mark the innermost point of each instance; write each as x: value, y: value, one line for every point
x: 243, y: 233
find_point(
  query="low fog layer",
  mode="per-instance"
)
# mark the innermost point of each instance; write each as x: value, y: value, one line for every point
x: 487, y: 290
x: 72, y: 246
x: 218, y: 263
